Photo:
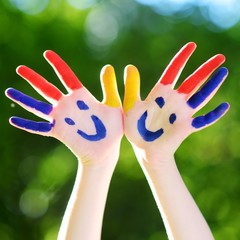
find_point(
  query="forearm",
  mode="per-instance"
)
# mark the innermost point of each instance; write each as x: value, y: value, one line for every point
x: 84, y: 213
x: 182, y: 218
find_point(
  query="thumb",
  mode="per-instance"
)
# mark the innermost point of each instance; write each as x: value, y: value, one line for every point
x: 132, y: 87
x: 109, y: 87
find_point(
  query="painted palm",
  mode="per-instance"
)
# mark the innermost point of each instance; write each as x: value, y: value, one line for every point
x: 165, y: 118
x: 77, y: 119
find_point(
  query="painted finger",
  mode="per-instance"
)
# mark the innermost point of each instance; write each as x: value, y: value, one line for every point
x: 132, y: 87
x: 64, y: 72
x: 203, y: 121
x: 194, y: 81
x: 41, y: 128
x: 177, y: 64
x: 109, y: 87
x: 38, y: 108
x: 42, y: 86
x: 202, y: 97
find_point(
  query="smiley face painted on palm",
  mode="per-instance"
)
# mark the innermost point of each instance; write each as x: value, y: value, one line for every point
x: 47, y: 109
x: 189, y: 106
x: 147, y: 134
x: 99, y: 126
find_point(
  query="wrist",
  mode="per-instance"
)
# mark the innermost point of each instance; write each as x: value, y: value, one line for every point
x: 154, y: 159
x: 106, y: 158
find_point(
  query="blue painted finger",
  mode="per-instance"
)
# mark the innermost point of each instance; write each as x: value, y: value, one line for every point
x: 208, y: 88
x: 31, y: 125
x: 214, y: 115
x: 29, y: 101
x: 146, y: 134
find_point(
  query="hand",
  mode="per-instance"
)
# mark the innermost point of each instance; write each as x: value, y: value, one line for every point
x: 91, y: 129
x: 158, y: 125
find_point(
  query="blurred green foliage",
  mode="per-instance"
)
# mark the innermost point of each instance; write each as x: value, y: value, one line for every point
x: 37, y: 173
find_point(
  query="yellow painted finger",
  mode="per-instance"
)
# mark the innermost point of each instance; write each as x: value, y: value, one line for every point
x: 109, y: 87
x: 132, y: 87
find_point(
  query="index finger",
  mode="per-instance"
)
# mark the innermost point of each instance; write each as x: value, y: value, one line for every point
x: 64, y: 72
x: 177, y: 64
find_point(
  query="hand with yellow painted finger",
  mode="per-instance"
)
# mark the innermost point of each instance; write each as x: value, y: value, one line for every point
x: 157, y: 126
x: 91, y: 129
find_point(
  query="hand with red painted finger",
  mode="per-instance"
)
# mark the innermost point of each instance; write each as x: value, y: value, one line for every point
x: 165, y: 118
x: 158, y: 125
x: 91, y: 129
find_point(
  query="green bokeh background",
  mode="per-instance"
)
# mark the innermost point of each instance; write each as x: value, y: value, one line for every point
x: 37, y: 173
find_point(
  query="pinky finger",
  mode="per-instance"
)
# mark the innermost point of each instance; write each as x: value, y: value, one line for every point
x: 211, y: 117
x: 41, y: 128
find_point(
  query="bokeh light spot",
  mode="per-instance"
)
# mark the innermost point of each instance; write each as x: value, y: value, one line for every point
x: 30, y: 6
x: 221, y: 13
x: 82, y: 4
x: 224, y: 14
x: 57, y: 167
x: 33, y: 203
x: 149, y: 2
x: 101, y: 27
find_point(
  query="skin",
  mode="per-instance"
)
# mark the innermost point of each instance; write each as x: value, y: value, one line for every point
x: 85, y: 126
x: 162, y: 121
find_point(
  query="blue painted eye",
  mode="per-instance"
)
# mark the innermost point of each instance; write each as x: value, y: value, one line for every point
x: 160, y: 101
x: 69, y: 121
x: 172, y: 118
x: 82, y: 105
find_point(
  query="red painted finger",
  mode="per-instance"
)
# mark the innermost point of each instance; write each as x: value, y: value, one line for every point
x: 194, y: 81
x: 177, y: 64
x: 45, y: 88
x: 64, y: 72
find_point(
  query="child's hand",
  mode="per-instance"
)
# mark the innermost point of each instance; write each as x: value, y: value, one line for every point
x: 91, y: 129
x: 158, y: 125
